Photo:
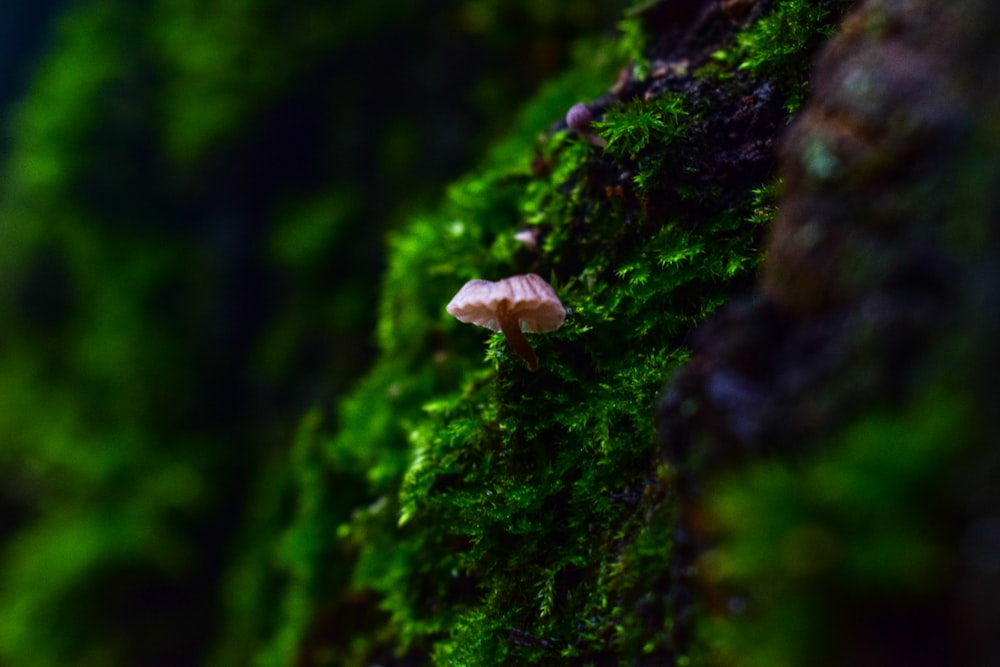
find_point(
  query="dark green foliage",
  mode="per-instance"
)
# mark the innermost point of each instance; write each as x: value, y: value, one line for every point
x: 191, y: 217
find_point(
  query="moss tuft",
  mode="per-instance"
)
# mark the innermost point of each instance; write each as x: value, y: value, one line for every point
x: 771, y: 47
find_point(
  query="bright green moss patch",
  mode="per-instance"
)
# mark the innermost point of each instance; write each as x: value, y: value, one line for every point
x: 630, y: 129
x: 772, y: 46
x: 518, y: 518
x: 513, y: 518
x: 775, y: 41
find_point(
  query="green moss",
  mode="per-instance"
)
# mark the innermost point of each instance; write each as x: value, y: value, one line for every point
x: 632, y: 46
x: 630, y: 129
x: 510, y: 521
x: 771, y: 47
x: 774, y: 42
x: 466, y: 511
x: 172, y: 250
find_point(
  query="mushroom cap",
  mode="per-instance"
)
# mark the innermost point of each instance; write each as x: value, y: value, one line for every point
x: 526, y: 297
x: 579, y: 117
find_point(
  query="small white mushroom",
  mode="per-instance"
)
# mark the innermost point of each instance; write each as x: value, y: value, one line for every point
x: 524, y: 303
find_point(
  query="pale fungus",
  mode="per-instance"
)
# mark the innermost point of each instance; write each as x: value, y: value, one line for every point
x: 529, y: 237
x: 579, y: 118
x: 514, y: 305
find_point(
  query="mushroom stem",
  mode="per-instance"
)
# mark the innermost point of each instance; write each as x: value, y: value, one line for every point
x: 511, y: 327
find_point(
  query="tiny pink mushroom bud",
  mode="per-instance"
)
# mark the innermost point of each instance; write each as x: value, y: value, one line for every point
x: 529, y: 237
x: 524, y: 303
x: 579, y: 119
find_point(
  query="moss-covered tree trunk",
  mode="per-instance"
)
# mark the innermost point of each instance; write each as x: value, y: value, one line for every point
x: 528, y: 518
x: 762, y: 436
x: 818, y: 490
x: 833, y: 437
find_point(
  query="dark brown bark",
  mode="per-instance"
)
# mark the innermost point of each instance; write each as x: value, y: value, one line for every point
x: 879, y: 260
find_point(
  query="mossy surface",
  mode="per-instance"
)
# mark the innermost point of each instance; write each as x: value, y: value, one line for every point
x: 190, y: 228
x: 518, y: 517
x: 520, y: 494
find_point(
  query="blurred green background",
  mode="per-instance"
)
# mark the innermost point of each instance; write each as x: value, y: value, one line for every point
x: 193, y: 205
